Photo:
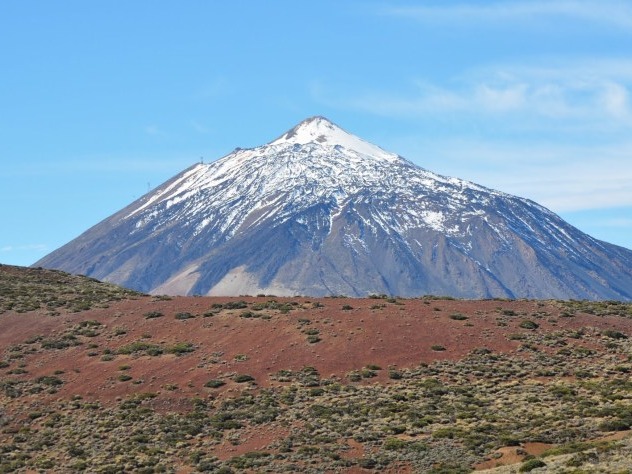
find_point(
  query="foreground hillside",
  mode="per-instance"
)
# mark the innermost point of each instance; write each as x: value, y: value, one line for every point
x: 95, y: 378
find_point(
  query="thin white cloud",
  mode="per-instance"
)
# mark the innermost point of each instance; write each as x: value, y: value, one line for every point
x: 615, y: 99
x: 576, y: 71
x: 213, y: 89
x: 577, y: 194
x: 587, y: 92
x: 557, y: 132
x: 199, y: 127
x: 561, y: 88
x: 620, y: 223
x: 562, y: 177
x: 21, y: 248
x: 153, y: 130
x: 612, y: 13
x: 106, y: 163
x: 504, y: 98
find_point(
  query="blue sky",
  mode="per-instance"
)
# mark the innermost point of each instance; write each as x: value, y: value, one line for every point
x: 102, y: 100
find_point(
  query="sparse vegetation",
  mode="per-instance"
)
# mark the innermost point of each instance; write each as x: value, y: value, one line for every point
x: 235, y: 305
x: 458, y: 317
x: 529, y: 325
x: 180, y: 348
x: 141, y: 348
x: 566, y: 384
x: 184, y: 315
x: 614, y: 334
x: 30, y: 289
x: 532, y: 464
x: 242, y: 378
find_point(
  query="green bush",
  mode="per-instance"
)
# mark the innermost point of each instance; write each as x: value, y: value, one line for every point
x: 526, y: 324
x: 447, y: 433
x: 154, y: 351
x: 458, y: 317
x: 49, y: 380
x: 235, y: 305
x: 367, y: 463
x: 181, y: 348
x: 616, y: 425
x: 481, y: 351
x: 354, y: 376
x: 532, y: 464
x: 214, y: 383
x: 134, y: 347
x: 394, y: 444
x: 449, y: 468
x: 65, y: 341
x: 153, y: 314
x: 368, y: 373
x: 394, y: 374
x: 181, y: 316
x: 242, y: 378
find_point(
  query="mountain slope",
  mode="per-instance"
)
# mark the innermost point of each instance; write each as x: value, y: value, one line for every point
x: 319, y: 211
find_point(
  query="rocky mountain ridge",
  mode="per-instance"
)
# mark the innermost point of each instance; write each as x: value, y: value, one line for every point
x: 319, y: 211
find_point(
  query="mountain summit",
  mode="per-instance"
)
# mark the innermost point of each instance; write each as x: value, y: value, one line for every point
x: 320, y: 130
x: 319, y: 211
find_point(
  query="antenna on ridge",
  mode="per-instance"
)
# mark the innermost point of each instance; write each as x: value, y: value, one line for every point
x: 201, y: 160
x: 148, y: 186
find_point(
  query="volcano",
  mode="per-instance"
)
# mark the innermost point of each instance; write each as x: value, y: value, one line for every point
x: 319, y: 211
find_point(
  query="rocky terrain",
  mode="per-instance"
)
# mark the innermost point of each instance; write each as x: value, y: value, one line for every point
x: 321, y: 212
x: 99, y: 379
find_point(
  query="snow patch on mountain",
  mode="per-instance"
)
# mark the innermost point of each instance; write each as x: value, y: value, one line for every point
x: 322, y: 131
x: 320, y: 211
x: 316, y: 161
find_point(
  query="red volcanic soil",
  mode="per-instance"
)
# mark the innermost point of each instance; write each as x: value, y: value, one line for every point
x: 373, y: 331
x: 201, y: 339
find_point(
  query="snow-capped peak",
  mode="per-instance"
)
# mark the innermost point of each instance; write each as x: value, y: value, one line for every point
x: 314, y: 129
x: 320, y: 211
x: 320, y: 130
